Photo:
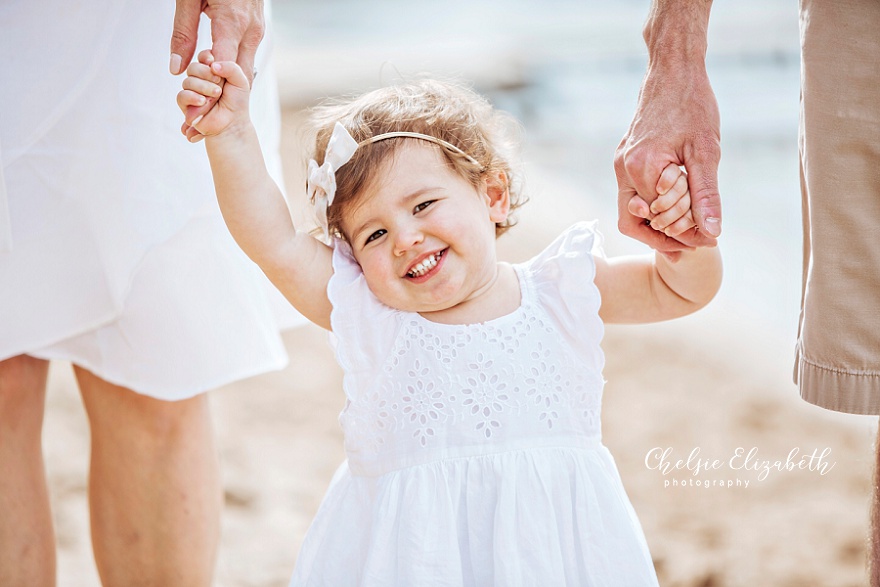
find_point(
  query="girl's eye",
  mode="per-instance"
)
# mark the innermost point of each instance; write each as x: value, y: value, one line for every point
x: 375, y: 235
x: 423, y: 205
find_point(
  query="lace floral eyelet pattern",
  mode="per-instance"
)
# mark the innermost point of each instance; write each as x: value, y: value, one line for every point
x: 474, y: 384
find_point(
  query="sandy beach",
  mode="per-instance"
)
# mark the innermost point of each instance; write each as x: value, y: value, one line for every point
x: 776, y: 491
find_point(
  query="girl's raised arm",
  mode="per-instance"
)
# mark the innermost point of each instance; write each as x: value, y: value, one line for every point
x: 252, y: 205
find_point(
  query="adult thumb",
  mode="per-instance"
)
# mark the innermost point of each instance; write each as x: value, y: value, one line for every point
x: 185, y: 35
x: 705, y: 199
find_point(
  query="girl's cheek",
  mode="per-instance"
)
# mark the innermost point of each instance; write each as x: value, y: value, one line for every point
x: 374, y: 268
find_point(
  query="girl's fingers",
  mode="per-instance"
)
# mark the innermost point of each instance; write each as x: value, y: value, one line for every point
x: 206, y: 57
x: 667, y: 178
x: 203, y: 87
x: 193, y: 136
x: 678, y: 209
x: 680, y: 226
x: 232, y: 73
x: 187, y: 98
x: 202, y: 71
x: 667, y: 200
x: 638, y: 207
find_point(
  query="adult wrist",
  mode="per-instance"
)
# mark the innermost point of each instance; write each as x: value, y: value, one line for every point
x: 676, y: 33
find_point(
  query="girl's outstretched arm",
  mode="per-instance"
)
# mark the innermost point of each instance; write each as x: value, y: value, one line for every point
x: 665, y: 285
x: 252, y: 205
x: 652, y: 288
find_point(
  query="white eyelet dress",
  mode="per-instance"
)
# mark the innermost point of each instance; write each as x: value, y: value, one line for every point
x: 113, y: 253
x: 474, y: 451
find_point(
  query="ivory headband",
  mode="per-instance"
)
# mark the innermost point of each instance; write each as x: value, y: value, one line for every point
x: 321, y: 184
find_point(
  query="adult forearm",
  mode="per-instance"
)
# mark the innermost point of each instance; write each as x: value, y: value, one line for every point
x: 676, y: 32
x: 252, y: 204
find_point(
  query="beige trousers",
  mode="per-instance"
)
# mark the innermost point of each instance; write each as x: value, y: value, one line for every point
x: 837, y: 362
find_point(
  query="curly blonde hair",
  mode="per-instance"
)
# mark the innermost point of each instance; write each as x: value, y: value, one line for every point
x: 439, y: 109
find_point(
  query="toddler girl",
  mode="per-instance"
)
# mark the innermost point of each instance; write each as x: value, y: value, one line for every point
x: 473, y: 387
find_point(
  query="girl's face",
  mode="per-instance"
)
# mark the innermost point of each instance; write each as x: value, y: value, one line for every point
x: 422, y: 234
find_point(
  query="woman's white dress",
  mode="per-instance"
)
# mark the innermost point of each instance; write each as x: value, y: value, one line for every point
x: 113, y: 253
x: 474, y: 451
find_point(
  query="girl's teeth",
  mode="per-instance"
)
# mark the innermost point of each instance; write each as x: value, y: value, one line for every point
x: 424, y: 266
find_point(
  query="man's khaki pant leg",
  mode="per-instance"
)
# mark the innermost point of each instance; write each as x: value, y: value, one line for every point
x: 838, y: 349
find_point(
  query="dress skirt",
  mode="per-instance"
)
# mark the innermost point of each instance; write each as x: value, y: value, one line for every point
x: 113, y: 253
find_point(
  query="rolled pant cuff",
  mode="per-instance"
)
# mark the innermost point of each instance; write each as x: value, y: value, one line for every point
x: 836, y: 389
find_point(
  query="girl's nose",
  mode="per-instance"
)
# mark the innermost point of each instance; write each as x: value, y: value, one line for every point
x: 406, y: 239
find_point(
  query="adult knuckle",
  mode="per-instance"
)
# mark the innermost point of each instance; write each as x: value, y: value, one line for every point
x: 257, y: 28
x: 708, y: 192
x: 619, y: 160
x: 181, y: 36
x: 635, y: 159
x: 248, y: 19
x: 707, y: 146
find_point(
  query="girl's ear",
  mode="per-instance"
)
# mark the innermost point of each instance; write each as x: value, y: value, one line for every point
x: 497, y: 195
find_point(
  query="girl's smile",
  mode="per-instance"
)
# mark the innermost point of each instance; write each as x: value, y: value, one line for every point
x: 427, y: 267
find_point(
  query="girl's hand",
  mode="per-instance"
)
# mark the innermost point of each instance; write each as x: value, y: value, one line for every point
x: 671, y: 212
x: 204, y: 83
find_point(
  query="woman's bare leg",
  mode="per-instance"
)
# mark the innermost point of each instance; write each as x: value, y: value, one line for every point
x: 154, y: 487
x: 27, y: 539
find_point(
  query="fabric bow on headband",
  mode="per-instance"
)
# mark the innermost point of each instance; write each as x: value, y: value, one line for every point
x: 321, y: 185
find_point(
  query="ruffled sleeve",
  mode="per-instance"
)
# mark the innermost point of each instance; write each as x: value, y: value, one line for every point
x: 364, y: 329
x: 562, y: 276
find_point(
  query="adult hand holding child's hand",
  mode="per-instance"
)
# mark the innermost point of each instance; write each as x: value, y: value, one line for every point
x: 237, y: 27
x: 670, y: 213
x: 204, y: 82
